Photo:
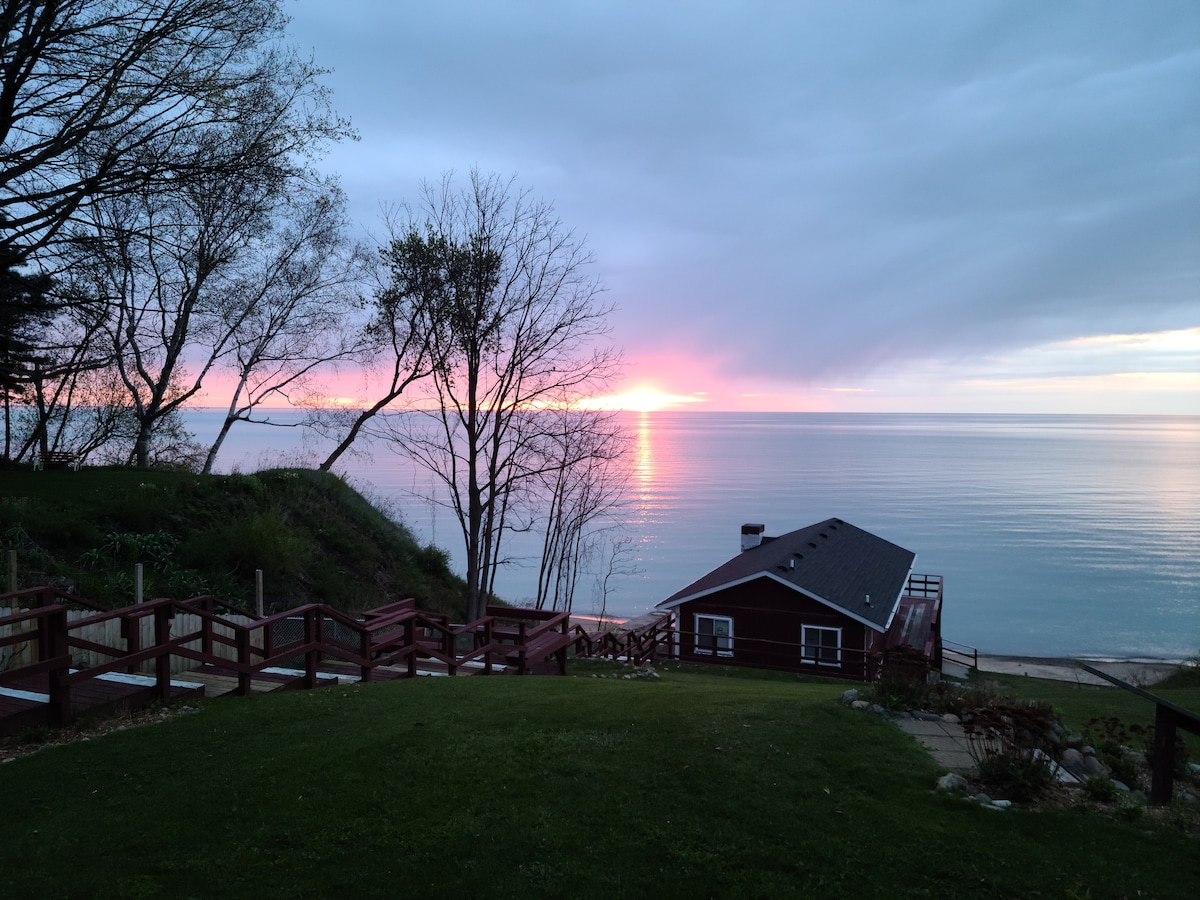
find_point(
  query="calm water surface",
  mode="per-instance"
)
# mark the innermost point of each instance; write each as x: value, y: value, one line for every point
x: 1057, y: 535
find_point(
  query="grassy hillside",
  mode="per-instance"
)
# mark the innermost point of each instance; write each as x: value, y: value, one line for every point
x: 694, y: 785
x: 314, y: 537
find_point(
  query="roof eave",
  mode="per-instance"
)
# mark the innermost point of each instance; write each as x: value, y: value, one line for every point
x: 874, y: 626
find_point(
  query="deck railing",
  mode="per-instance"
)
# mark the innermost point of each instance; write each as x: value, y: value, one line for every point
x: 398, y: 635
x: 960, y: 653
x: 638, y: 646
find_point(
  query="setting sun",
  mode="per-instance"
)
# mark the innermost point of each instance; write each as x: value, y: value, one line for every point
x: 642, y: 399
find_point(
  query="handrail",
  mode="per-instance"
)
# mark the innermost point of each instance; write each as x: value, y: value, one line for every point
x: 395, y: 633
x: 51, y: 595
x: 954, y: 648
x: 1167, y: 717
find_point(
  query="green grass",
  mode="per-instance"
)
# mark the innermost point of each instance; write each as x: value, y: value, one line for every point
x: 1076, y: 704
x: 689, y: 785
x: 314, y: 537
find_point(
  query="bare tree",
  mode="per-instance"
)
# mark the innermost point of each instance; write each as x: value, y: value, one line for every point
x: 291, y: 306
x: 97, y: 98
x: 521, y: 329
x: 399, y: 345
x: 581, y: 484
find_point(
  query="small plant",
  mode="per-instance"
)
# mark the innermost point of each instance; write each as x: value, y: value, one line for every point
x: 1100, y: 789
x: 902, y: 680
x: 1111, y: 738
x: 1009, y: 743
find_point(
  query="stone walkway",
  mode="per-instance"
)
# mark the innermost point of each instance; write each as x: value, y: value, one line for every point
x: 945, y: 741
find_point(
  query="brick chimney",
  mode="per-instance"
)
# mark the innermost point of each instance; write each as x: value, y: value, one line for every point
x: 752, y: 536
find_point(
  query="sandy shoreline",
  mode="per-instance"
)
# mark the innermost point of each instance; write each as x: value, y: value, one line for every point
x: 1140, y: 672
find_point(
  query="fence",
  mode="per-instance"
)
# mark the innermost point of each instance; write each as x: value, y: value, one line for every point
x: 160, y: 637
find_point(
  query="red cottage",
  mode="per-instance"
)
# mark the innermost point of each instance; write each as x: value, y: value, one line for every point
x: 824, y: 599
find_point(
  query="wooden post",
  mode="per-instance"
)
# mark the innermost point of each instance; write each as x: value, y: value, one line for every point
x: 162, y: 662
x: 243, y: 655
x: 258, y: 593
x: 131, y: 630
x: 137, y: 583
x: 53, y: 645
x: 365, y: 670
x: 1162, y: 777
x: 410, y: 644
x: 312, y: 637
x: 12, y: 574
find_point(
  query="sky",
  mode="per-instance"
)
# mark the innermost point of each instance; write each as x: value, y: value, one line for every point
x: 939, y: 206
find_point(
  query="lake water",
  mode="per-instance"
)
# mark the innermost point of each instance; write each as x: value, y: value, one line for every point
x: 1056, y: 535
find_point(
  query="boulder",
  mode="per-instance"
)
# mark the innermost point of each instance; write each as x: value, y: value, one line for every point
x: 1094, y: 767
x: 860, y: 704
x: 951, y: 718
x: 1075, y: 740
x: 850, y: 696
x: 1071, y: 757
x: 951, y: 782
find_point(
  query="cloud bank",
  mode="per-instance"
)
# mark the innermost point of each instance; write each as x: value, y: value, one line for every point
x: 808, y: 194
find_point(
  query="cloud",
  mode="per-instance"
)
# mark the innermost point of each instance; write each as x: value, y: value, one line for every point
x: 810, y: 192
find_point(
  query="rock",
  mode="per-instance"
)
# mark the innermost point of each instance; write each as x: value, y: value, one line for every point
x: 1075, y: 740
x: 983, y: 798
x: 1087, y: 750
x: 951, y: 718
x: 1001, y: 804
x: 1186, y: 797
x: 926, y: 716
x: 1071, y: 757
x: 1121, y: 786
x: 951, y: 782
x: 850, y: 696
x: 878, y: 710
x: 1093, y: 766
x: 860, y: 704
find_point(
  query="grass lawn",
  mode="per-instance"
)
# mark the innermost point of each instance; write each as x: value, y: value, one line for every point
x: 692, y: 785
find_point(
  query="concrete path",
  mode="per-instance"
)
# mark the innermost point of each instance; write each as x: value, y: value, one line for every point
x: 945, y: 741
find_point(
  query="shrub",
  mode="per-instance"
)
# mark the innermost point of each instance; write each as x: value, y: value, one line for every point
x: 1015, y: 775
x: 1009, y: 743
x: 1100, y: 789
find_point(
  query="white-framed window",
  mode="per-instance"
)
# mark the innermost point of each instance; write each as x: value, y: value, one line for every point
x: 820, y: 646
x: 714, y: 634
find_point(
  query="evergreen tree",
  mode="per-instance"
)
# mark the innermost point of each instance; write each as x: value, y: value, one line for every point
x: 24, y: 308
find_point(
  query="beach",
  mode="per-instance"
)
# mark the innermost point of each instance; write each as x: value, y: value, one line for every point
x: 1138, y: 672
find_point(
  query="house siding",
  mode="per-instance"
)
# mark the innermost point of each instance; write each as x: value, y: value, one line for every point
x: 767, y: 618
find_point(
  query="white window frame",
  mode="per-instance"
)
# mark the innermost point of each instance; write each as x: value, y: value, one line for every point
x: 717, y: 637
x: 811, y: 651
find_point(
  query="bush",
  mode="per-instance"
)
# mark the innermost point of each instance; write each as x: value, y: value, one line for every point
x: 1011, y: 744
x: 1015, y: 775
x: 1100, y: 789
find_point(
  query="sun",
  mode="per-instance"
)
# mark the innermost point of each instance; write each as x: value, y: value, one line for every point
x: 641, y: 399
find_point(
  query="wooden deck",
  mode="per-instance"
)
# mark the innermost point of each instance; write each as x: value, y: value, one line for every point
x: 24, y: 701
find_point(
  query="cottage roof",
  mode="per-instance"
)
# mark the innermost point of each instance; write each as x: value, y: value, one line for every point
x: 833, y: 562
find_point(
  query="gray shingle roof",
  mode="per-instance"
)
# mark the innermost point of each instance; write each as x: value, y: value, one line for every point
x: 831, y: 561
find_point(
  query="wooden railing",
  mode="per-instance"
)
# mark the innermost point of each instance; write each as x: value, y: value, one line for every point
x: 924, y: 586
x: 636, y: 645
x: 785, y: 656
x: 1167, y: 718
x: 398, y: 635
x: 960, y: 653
